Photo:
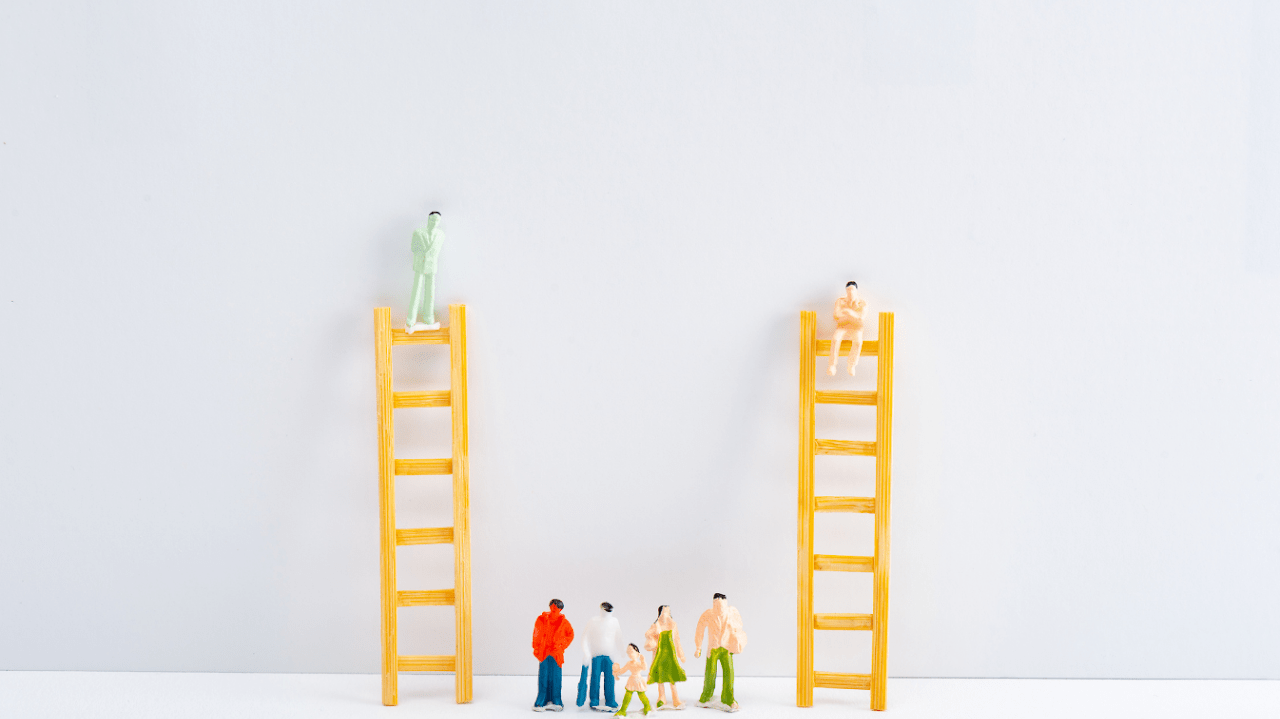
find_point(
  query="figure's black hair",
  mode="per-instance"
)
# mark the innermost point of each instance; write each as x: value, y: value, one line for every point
x: 606, y: 606
x: 434, y: 212
x: 718, y: 595
x: 851, y: 282
x: 660, y: 608
x: 559, y: 604
x: 634, y: 647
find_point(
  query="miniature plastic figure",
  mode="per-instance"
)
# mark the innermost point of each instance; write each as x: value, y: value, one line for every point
x: 663, y: 639
x: 552, y: 634
x: 603, y: 639
x: 848, y: 316
x: 426, y: 248
x: 725, y: 638
x: 635, y: 682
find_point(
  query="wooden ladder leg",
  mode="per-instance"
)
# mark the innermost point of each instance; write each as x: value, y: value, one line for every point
x: 880, y: 578
x: 804, y: 520
x: 386, y: 503
x: 461, y: 503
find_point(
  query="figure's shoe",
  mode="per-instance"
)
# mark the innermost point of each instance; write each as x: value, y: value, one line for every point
x: 659, y: 705
x: 831, y: 370
x: 538, y: 708
x: 732, y: 708
x: 555, y: 707
x: 851, y: 370
x: 408, y: 327
x: 678, y: 707
x: 704, y: 705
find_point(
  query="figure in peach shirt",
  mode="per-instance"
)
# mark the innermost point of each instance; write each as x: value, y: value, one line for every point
x: 723, y: 627
x: 848, y: 316
x: 635, y: 682
x: 663, y: 639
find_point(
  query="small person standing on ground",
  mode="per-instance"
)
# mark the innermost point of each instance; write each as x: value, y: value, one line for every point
x: 635, y: 682
x: 552, y: 634
x: 663, y: 639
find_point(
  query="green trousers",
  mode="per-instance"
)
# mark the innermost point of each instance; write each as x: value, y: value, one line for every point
x: 626, y: 699
x: 423, y: 301
x: 709, y: 681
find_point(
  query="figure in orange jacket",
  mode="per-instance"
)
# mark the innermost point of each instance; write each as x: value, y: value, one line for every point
x: 552, y: 634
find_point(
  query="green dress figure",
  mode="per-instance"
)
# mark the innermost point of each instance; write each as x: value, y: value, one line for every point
x: 663, y: 638
x: 426, y: 248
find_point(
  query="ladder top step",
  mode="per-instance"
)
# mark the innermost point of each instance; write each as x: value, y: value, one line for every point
x: 870, y: 348
x: 865, y: 505
x: 421, y: 337
x: 835, y: 680
x: 844, y: 397
x: 420, y: 399
x: 844, y: 447
x: 842, y: 563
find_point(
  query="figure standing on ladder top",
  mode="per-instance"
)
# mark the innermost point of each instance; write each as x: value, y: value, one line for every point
x: 848, y: 316
x: 426, y: 248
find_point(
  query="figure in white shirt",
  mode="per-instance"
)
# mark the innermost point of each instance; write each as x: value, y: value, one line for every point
x: 603, y: 640
x: 723, y: 626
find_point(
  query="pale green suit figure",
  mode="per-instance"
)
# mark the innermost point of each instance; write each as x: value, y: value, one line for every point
x: 426, y: 248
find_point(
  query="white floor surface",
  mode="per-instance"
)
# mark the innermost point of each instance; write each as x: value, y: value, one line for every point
x: 89, y: 695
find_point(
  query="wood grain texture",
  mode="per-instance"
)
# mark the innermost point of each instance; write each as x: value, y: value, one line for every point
x: 425, y: 535
x: 842, y: 621
x: 426, y: 663
x: 461, y: 502
x: 842, y: 563
x: 386, y: 502
x: 870, y: 348
x: 880, y: 580
x: 864, y: 505
x: 421, y: 337
x: 424, y: 466
x: 844, y: 447
x: 834, y: 680
x: 844, y: 397
x: 804, y: 520
x: 425, y: 598
x: 421, y: 399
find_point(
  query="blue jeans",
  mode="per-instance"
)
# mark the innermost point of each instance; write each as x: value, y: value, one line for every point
x: 599, y: 664
x: 548, y: 683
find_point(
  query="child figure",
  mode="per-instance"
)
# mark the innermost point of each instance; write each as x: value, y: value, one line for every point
x: 635, y: 682
x: 848, y: 316
x: 663, y: 639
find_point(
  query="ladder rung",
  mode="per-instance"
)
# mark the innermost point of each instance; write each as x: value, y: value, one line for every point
x: 425, y: 663
x: 841, y: 397
x: 424, y: 466
x: 865, y: 505
x: 421, y: 399
x: 870, y: 348
x: 429, y: 598
x: 842, y: 621
x: 426, y: 535
x: 839, y: 563
x: 843, y: 446
x: 833, y: 680
x: 428, y: 337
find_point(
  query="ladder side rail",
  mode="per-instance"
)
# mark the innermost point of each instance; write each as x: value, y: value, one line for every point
x: 880, y: 576
x: 461, y: 502
x: 804, y: 520
x: 386, y: 503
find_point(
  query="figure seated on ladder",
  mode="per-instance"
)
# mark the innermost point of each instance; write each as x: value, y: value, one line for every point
x: 426, y: 248
x: 848, y: 316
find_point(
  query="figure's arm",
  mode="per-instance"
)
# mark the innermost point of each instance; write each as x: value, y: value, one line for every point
x: 651, y: 638
x: 537, y: 632
x: 697, y: 635
x: 675, y: 638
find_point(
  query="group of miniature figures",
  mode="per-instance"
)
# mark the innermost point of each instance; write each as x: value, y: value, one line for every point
x: 552, y: 634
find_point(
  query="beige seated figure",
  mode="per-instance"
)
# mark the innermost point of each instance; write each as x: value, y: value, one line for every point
x: 848, y: 316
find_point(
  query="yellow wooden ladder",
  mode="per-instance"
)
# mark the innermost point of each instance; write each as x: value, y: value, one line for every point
x: 878, y: 621
x: 455, y: 335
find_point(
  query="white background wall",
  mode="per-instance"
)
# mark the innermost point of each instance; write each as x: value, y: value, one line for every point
x: 1072, y: 208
